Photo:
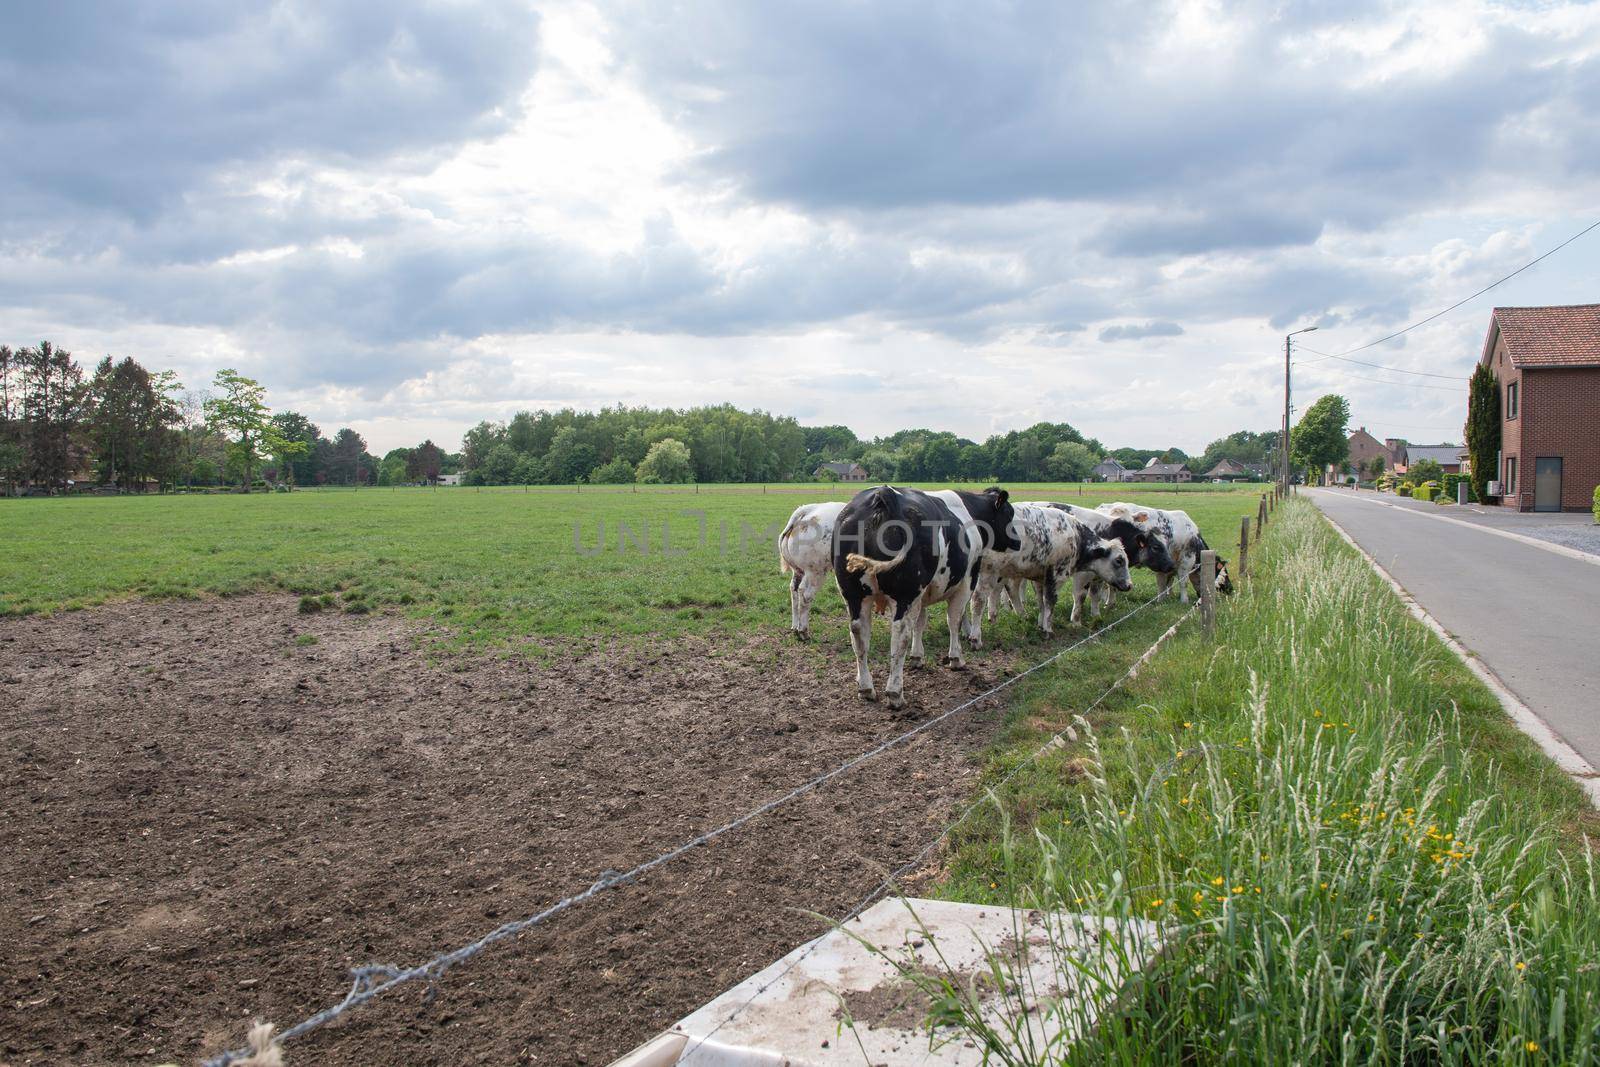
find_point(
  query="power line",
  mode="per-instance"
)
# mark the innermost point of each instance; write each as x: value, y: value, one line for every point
x: 1405, y: 385
x: 1458, y: 303
x: 1379, y: 366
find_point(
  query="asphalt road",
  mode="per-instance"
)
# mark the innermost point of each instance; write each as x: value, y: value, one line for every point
x: 1531, y: 614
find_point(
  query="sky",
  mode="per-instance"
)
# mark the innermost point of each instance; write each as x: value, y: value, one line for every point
x: 407, y: 217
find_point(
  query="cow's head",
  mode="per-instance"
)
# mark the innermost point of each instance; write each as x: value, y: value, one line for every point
x: 1005, y: 534
x: 1107, y: 560
x: 1224, y: 583
x: 1146, y: 548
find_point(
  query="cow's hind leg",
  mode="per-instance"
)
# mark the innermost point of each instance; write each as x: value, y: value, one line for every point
x: 1047, y: 602
x: 795, y: 580
x: 954, y: 609
x: 805, y: 593
x: 919, y: 625
x: 971, y: 620
x: 861, y: 643
x: 901, y: 632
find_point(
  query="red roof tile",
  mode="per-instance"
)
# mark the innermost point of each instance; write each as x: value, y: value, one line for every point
x: 1561, y: 336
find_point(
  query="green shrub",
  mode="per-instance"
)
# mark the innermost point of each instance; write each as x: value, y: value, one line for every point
x: 310, y: 605
x: 1453, y: 480
x: 1597, y: 503
x: 1404, y: 489
x: 1444, y: 498
x: 1424, y: 491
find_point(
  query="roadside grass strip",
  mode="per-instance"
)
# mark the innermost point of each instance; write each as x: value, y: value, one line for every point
x: 1352, y: 854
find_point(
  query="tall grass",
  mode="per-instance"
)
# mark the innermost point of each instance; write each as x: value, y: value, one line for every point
x: 1352, y: 856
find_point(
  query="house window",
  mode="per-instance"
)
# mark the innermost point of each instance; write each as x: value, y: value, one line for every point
x: 1511, y: 400
x: 1511, y: 476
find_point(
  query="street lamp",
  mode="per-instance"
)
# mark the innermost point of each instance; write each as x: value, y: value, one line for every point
x: 1285, y: 442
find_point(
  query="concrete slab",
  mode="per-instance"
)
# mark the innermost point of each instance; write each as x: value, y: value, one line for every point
x: 794, y: 1012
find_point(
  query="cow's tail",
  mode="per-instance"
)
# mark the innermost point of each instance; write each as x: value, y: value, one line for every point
x: 856, y: 563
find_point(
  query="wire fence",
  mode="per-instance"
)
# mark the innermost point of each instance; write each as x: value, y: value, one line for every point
x: 990, y: 794
x: 374, y: 980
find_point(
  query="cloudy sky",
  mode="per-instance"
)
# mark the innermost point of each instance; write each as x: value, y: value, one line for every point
x: 407, y: 216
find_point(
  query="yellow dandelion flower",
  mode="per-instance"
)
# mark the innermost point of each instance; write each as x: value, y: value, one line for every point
x: 1521, y: 966
x: 1370, y: 916
x: 1217, y: 880
x: 1187, y: 725
x: 1157, y: 902
x: 1238, y: 889
x: 1532, y: 1046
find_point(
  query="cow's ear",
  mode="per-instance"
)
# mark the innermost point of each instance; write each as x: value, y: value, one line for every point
x: 1143, y: 516
x: 1002, y: 496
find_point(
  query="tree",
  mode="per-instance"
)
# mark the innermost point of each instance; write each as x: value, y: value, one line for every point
x: 55, y: 400
x: 667, y: 462
x: 300, y: 468
x: 349, y: 449
x: 424, y: 463
x: 618, y: 472
x: 499, y: 467
x: 240, y: 414
x: 1483, y: 428
x: 1425, y: 470
x: 1320, y: 438
x: 1070, y: 462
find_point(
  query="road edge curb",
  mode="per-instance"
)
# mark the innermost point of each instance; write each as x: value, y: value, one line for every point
x: 1566, y: 758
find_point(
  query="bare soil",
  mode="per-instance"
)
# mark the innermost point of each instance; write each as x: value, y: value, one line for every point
x: 205, y: 819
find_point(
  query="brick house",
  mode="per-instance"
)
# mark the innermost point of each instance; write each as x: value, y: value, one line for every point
x: 1364, y: 448
x: 1547, y: 360
x: 1162, y: 472
x: 846, y: 472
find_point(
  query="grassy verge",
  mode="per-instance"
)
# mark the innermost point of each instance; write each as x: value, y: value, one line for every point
x: 1352, y: 853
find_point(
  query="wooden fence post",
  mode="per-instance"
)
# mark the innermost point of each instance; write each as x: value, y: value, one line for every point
x: 1244, y: 546
x: 1208, y: 589
x: 1261, y: 517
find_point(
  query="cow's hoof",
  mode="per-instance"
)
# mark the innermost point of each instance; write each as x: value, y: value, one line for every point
x: 896, y: 701
x: 801, y: 635
x: 868, y: 695
x: 915, y: 662
x: 955, y: 664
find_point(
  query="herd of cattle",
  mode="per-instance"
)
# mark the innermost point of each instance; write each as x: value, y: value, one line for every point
x: 900, y: 551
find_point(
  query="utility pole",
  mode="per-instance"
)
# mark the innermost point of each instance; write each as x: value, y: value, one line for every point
x: 1287, y: 348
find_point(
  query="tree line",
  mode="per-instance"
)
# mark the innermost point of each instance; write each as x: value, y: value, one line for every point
x: 124, y: 427
x: 724, y: 444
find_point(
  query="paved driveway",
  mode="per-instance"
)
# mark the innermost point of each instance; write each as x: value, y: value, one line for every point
x: 1532, y: 614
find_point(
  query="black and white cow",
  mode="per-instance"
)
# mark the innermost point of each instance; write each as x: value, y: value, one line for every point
x: 900, y: 551
x: 1184, y: 544
x: 991, y: 513
x: 1145, y: 546
x: 805, y: 554
x: 1053, y: 550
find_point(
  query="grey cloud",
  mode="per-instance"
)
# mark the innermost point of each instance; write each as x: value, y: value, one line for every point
x: 123, y: 108
x: 867, y: 108
x: 1136, y: 330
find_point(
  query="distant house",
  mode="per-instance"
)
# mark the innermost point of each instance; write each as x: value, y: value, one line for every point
x: 1108, y: 470
x: 449, y: 479
x: 1448, y: 457
x: 1163, y: 472
x: 1364, y: 448
x: 1227, y: 471
x: 1547, y: 362
x: 846, y: 472
x: 1260, y: 470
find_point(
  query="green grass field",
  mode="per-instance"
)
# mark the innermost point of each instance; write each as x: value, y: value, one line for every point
x: 492, y: 564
